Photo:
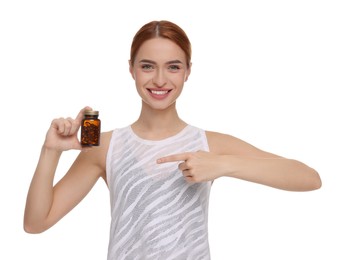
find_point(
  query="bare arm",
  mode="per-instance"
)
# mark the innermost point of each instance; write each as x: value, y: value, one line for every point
x: 233, y: 157
x: 249, y: 163
x: 46, y: 204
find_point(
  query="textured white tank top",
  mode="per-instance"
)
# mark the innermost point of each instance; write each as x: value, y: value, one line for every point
x: 156, y: 214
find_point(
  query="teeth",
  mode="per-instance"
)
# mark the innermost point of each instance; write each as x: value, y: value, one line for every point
x: 159, y: 92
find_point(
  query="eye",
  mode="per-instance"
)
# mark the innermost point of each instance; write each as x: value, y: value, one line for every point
x: 174, y: 68
x: 147, y: 67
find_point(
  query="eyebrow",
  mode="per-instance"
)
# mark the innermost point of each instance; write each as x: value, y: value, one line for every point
x: 153, y: 62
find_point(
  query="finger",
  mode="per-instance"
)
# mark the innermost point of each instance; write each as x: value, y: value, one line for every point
x: 182, y: 166
x: 75, y: 125
x: 189, y: 179
x: 67, y: 126
x: 174, y: 158
x: 80, y: 115
x: 58, y: 124
x: 187, y: 173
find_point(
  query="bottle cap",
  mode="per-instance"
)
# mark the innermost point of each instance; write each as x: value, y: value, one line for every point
x: 91, y: 113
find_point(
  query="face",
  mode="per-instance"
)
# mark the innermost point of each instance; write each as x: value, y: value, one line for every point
x: 159, y: 71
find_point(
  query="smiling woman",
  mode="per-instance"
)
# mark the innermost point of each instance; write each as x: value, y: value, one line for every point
x: 159, y: 169
x: 159, y: 70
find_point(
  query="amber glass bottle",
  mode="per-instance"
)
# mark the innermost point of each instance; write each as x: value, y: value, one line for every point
x: 90, y: 129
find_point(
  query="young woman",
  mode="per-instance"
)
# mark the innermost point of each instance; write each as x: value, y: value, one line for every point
x: 159, y: 169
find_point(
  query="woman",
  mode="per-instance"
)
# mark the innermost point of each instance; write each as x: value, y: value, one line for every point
x: 159, y: 169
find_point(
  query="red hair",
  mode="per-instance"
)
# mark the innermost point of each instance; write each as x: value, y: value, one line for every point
x: 162, y: 29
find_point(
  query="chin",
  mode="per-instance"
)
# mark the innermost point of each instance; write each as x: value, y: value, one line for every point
x: 159, y: 107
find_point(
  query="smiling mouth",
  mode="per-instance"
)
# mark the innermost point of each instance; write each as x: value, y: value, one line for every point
x: 159, y: 92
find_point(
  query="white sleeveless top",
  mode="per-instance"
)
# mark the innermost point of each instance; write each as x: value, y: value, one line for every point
x: 156, y: 214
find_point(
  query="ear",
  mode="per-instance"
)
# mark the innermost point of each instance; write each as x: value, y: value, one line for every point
x: 188, y: 72
x: 131, y: 69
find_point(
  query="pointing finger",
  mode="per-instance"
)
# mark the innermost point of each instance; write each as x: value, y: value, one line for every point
x: 174, y: 158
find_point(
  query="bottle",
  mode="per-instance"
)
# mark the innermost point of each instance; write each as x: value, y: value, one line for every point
x: 90, y: 129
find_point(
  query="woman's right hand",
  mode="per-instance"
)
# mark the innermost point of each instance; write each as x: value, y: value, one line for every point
x: 62, y: 134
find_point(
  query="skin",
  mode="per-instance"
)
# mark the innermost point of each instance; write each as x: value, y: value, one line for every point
x: 159, y: 71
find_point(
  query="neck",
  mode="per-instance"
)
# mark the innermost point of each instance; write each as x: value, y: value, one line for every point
x: 155, y: 123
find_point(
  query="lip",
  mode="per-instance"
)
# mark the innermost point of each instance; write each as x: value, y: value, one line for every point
x: 159, y: 93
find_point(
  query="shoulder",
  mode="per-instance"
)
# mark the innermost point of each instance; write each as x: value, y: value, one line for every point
x: 102, y: 149
x: 105, y: 138
x: 104, y: 143
x: 96, y: 155
x: 221, y: 143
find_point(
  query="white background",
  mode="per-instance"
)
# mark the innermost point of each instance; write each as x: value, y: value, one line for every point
x: 268, y: 72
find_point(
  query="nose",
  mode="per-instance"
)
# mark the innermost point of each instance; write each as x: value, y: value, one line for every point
x: 159, y: 79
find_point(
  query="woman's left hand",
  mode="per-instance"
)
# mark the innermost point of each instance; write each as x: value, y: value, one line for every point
x: 198, y: 166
